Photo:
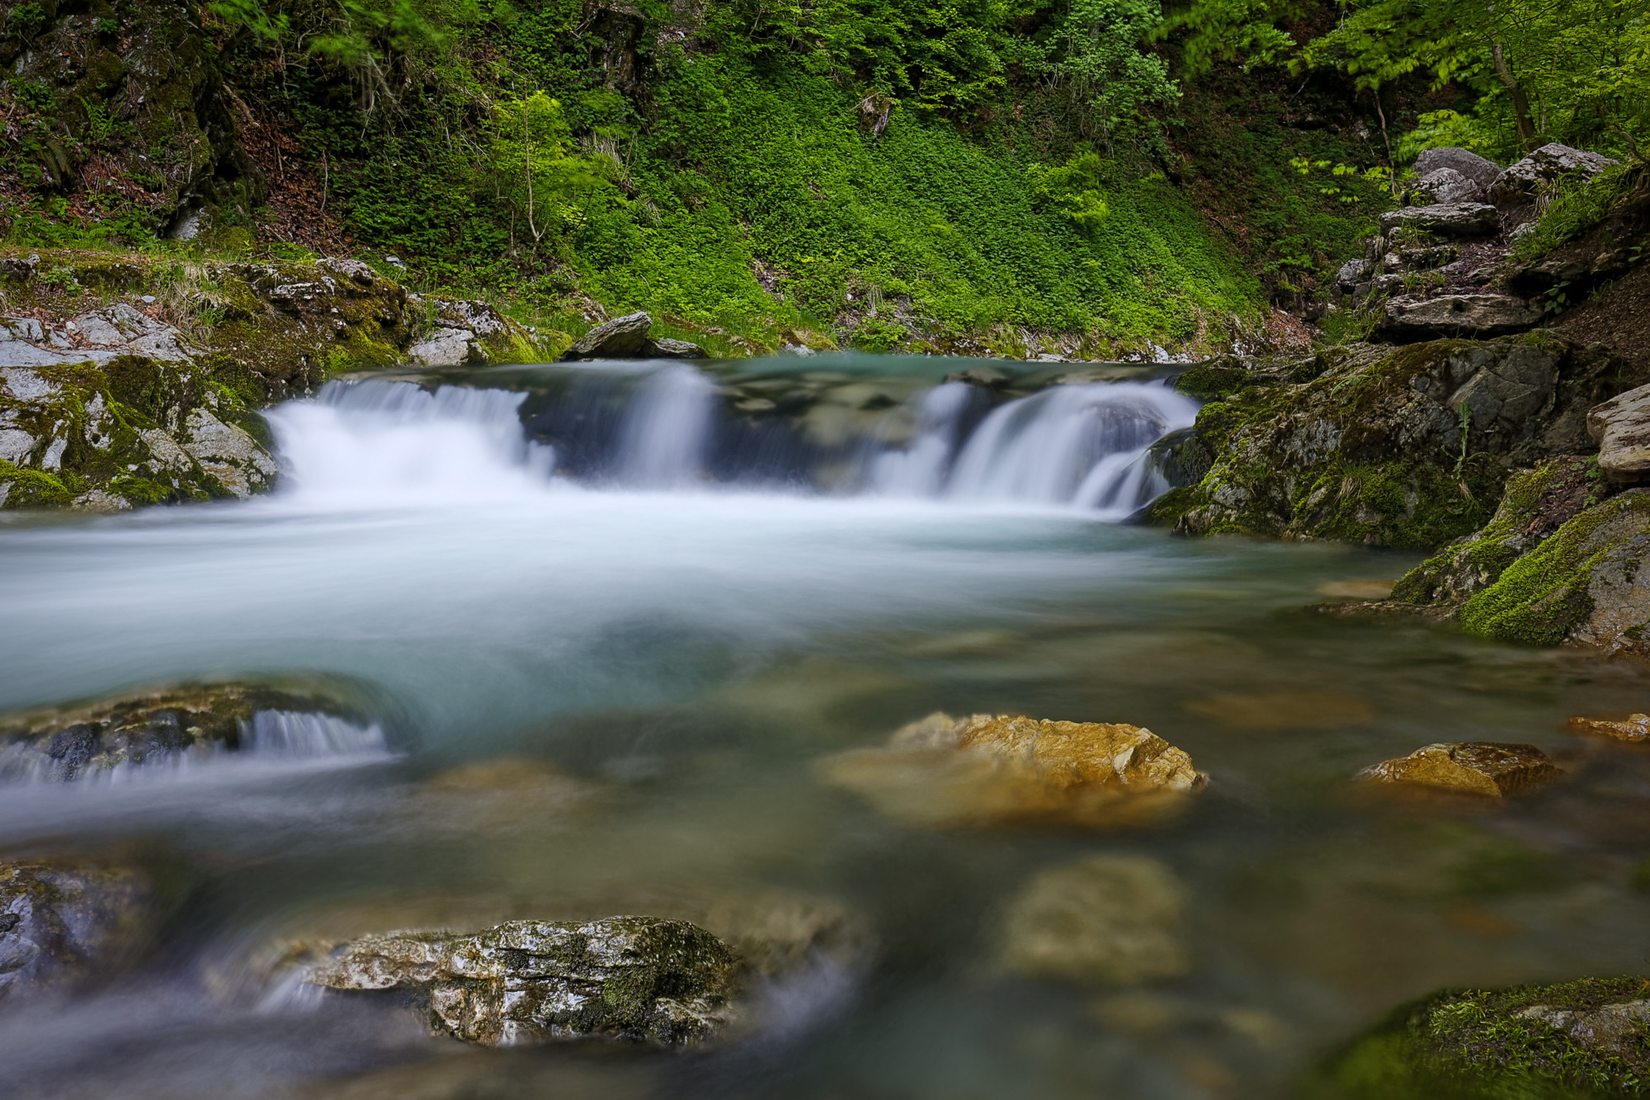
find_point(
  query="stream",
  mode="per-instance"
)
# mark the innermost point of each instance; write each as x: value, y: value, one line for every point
x: 676, y: 590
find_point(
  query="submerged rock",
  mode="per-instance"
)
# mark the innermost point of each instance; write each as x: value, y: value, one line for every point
x: 61, y: 922
x: 1473, y: 767
x: 1106, y: 920
x: 172, y: 726
x: 663, y: 982
x: 1580, y: 1038
x: 989, y: 769
x: 1634, y: 729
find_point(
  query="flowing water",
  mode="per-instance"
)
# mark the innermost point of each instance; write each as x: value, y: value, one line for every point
x: 614, y: 615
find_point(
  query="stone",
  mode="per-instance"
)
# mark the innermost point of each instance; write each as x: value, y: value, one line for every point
x: 621, y: 338
x: 64, y: 921
x: 1001, y: 769
x: 1578, y: 1038
x: 1484, y: 313
x: 667, y: 348
x: 666, y: 983
x: 160, y: 727
x: 1523, y: 181
x: 1634, y: 729
x: 227, y: 453
x: 1621, y: 428
x: 1445, y: 185
x: 1449, y: 219
x: 1480, y: 170
x: 1351, y: 274
x: 1108, y: 920
x: 446, y: 347
x: 1472, y: 767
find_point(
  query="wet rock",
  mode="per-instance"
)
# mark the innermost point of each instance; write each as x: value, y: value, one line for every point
x: 1408, y: 446
x: 1479, y: 170
x: 1472, y: 767
x: 1581, y: 1038
x: 667, y: 348
x: 621, y: 338
x: 989, y: 769
x: 1445, y: 185
x: 62, y: 922
x: 171, y: 726
x: 1484, y: 313
x: 228, y: 454
x: 1634, y: 729
x: 1536, y: 503
x: 1521, y: 183
x: 662, y: 982
x: 1621, y: 427
x: 1448, y: 219
x: 1105, y: 920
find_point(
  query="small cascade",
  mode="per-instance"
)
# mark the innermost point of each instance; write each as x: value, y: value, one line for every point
x: 270, y: 737
x: 668, y: 429
x: 387, y: 438
x: 671, y: 426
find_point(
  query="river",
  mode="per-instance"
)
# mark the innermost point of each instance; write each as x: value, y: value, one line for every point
x: 682, y: 605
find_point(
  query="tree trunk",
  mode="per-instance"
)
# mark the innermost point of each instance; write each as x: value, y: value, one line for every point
x: 1520, y: 98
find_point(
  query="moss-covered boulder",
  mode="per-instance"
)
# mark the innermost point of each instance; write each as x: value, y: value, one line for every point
x: 62, y: 922
x: 1587, y: 1038
x: 1407, y: 447
x: 663, y: 982
x: 170, y: 726
x: 1000, y: 769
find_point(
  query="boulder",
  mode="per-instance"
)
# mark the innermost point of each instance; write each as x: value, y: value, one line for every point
x: 667, y: 348
x: 662, y: 982
x: 1447, y: 219
x: 1580, y: 1038
x: 1634, y: 729
x: 171, y: 726
x: 1621, y: 428
x: 1479, y: 170
x: 446, y: 347
x: 1107, y: 920
x: 621, y: 338
x: 999, y: 769
x: 228, y: 454
x: 1351, y: 274
x: 1521, y: 183
x: 1484, y: 313
x: 1445, y: 185
x: 1582, y: 585
x: 1472, y: 767
x: 1405, y: 446
x: 62, y: 922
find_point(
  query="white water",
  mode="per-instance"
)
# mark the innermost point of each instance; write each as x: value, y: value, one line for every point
x: 1072, y: 446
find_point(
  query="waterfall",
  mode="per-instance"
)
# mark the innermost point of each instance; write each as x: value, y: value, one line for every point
x: 1077, y: 446
x: 667, y: 429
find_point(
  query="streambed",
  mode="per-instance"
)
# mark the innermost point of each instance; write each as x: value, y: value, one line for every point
x: 612, y: 577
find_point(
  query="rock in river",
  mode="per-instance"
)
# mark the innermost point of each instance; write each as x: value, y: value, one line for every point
x: 62, y: 921
x: 664, y: 982
x: 1107, y: 920
x: 1634, y: 729
x: 1474, y: 767
x: 989, y: 769
x: 1580, y: 1038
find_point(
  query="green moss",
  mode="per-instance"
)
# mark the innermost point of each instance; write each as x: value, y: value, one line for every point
x: 1475, y: 1045
x: 33, y: 488
x: 1543, y: 596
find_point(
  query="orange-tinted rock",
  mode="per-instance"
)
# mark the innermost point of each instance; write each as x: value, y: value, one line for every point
x: 996, y: 769
x: 1634, y: 728
x: 1474, y: 767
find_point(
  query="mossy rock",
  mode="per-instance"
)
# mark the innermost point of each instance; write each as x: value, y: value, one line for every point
x: 1407, y: 447
x: 1586, y: 1038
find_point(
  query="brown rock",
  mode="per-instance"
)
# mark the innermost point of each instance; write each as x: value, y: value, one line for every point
x: 1474, y: 767
x: 994, y: 769
x: 1634, y: 728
